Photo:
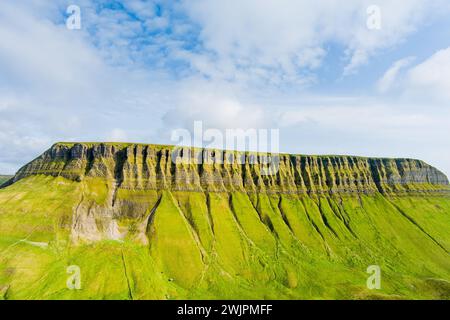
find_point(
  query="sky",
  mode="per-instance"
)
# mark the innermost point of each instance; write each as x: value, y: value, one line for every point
x: 368, y: 78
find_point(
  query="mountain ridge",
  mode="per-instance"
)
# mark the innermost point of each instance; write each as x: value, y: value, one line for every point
x: 147, y: 166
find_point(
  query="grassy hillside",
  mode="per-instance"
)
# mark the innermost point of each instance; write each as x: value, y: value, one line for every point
x: 166, y: 244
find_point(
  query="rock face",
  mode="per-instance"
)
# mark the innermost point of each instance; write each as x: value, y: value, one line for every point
x: 156, y: 167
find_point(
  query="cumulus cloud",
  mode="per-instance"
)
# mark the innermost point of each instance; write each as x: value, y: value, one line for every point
x: 431, y: 77
x: 424, y: 82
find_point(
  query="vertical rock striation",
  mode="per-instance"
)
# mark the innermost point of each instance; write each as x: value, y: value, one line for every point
x: 157, y: 167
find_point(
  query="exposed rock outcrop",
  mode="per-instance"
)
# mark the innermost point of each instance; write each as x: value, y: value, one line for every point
x: 157, y: 167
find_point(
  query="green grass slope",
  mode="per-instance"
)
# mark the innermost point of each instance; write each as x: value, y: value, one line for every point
x: 210, y: 245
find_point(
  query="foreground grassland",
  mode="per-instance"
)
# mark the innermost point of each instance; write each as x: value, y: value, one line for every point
x: 219, y: 245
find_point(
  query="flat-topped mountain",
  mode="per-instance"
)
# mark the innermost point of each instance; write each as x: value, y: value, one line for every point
x: 159, y: 222
x: 154, y: 167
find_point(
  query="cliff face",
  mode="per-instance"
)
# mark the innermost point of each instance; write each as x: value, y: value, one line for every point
x: 156, y: 167
x: 140, y: 225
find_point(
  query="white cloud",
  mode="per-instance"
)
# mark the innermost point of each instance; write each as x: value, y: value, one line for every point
x: 216, y: 105
x: 38, y: 54
x: 283, y: 36
x: 359, y: 57
x: 431, y: 78
x: 56, y: 86
x: 390, y: 76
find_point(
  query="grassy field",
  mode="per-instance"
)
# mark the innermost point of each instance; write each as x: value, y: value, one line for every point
x: 176, y: 245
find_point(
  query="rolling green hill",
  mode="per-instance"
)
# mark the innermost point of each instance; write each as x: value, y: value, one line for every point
x: 140, y: 223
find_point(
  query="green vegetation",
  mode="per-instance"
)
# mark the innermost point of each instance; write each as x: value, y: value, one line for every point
x: 140, y: 225
x: 177, y: 244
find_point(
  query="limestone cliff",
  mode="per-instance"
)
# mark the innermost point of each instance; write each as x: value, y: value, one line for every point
x: 157, y: 222
x: 158, y: 167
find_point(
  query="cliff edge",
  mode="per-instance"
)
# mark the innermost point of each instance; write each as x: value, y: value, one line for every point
x: 155, y: 167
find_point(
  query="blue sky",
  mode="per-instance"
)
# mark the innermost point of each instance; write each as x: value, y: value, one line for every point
x: 137, y: 70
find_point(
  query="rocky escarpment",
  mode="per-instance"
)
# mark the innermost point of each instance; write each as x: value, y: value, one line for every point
x: 156, y: 167
x: 158, y: 222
